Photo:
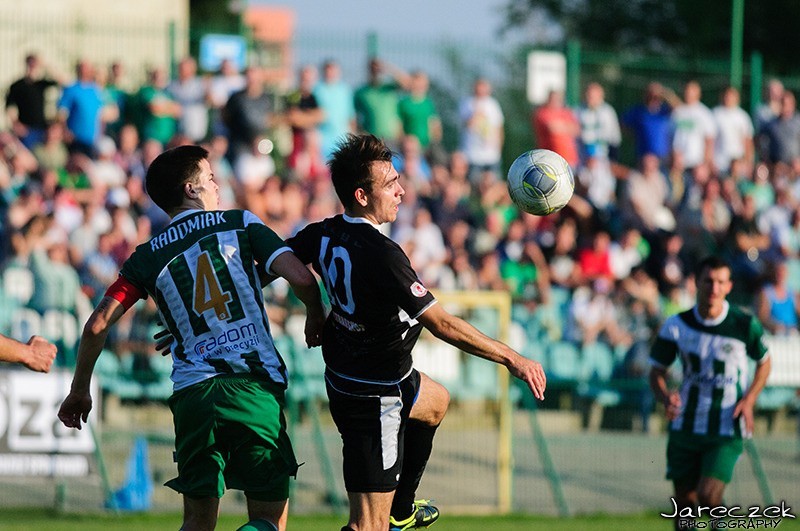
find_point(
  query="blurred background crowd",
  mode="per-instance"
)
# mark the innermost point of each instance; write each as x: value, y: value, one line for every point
x: 708, y: 178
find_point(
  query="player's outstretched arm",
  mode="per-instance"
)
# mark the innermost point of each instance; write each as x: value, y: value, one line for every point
x: 37, y: 354
x: 78, y: 403
x: 305, y: 286
x: 466, y: 337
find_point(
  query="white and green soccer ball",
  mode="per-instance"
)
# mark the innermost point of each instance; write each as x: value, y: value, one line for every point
x: 540, y: 182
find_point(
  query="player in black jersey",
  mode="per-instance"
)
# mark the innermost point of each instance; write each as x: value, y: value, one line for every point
x: 386, y: 411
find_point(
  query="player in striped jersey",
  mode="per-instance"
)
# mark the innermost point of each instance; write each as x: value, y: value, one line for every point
x: 228, y: 378
x: 714, y: 408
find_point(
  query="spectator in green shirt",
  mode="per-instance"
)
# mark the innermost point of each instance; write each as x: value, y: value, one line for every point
x: 376, y: 102
x: 418, y: 112
x: 160, y: 111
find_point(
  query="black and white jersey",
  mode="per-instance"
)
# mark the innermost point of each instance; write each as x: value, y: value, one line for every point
x: 375, y: 297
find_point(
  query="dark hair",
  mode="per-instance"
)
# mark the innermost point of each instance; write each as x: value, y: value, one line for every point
x: 710, y: 263
x: 351, y: 162
x: 170, y: 171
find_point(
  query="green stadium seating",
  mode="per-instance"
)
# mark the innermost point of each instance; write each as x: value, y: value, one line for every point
x: 161, y: 388
x: 563, y: 360
x: 126, y: 385
x: 480, y: 379
x: 597, y: 362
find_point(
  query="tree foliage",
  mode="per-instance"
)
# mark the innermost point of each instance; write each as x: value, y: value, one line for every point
x: 213, y: 15
x: 679, y: 27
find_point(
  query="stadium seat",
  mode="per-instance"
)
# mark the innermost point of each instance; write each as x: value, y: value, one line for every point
x: 550, y: 318
x: 597, y: 362
x: 161, y: 388
x: 564, y: 362
x: 307, y: 380
x: 559, y: 298
x: 126, y: 387
x: 775, y: 398
x: 536, y: 350
x: 283, y: 344
x: 485, y: 320
x: 8, y: 307
x: 107, y: 369
x: 480, y: 379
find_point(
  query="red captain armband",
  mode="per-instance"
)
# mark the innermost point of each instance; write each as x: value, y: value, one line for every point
x: 124, y: 292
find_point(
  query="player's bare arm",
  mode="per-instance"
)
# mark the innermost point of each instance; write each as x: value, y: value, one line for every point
x: 78, y: 404
x: 466, y: 337
x: 37, y: 354
x: 745, y: 406
x: 305, y: 286
x: 670, y: 399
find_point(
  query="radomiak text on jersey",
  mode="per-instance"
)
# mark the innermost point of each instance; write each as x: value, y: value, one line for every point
x: 174, y: 233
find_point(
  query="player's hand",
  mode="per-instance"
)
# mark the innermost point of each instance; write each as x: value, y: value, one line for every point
x: 744, y: 408
x: 673, y: 405
x: 315, y: 320
x: 530, y: 372
x: 41, y: 354
x: 76, y: 407
x: 163, y: 341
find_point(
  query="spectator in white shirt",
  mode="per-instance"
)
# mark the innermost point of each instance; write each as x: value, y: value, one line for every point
x: 695, y: 130
x: 735, y: 133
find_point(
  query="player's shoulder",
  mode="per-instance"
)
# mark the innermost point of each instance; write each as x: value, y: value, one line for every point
x: 676, y: 322
x: 141, y: 261
x: 365, y: 238
x: 742, y: 317
x: 685, y: 317
x: 326, y: 224
x: 376, y: 240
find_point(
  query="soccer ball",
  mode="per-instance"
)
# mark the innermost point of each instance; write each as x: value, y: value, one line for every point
x: 540, y: 182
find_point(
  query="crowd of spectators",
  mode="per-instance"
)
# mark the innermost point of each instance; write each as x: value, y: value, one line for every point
x: 608, y: 268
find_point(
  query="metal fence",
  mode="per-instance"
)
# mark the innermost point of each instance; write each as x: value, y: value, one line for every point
x: 451, y: 64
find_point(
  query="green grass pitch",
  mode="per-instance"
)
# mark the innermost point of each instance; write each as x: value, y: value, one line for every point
x: 30, y: 519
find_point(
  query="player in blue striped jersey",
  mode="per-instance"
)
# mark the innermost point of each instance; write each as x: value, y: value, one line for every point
x: 228, y: 378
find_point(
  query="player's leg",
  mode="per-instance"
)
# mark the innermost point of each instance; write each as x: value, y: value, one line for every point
x: 427, y: 413
x: 199, y: 514
x: 200, y: 464
x: 717, y: 469
x: 710, y: 491
x: 684, y: 461
x: 371, y: 419
x: 252, y: 427
x: 266, y: 515
x: 369, y: 511
x: 432, y: 400
x: 685, y: 498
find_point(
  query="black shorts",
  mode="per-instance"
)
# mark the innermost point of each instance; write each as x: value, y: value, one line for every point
x: 371, y: 417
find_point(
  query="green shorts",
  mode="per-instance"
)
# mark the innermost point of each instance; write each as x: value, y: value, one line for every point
x: 691, y: 456
x: 230, y: 431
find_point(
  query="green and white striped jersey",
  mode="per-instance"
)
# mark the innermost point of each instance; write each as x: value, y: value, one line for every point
x: 200, y: 271
x: 714, y: 354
